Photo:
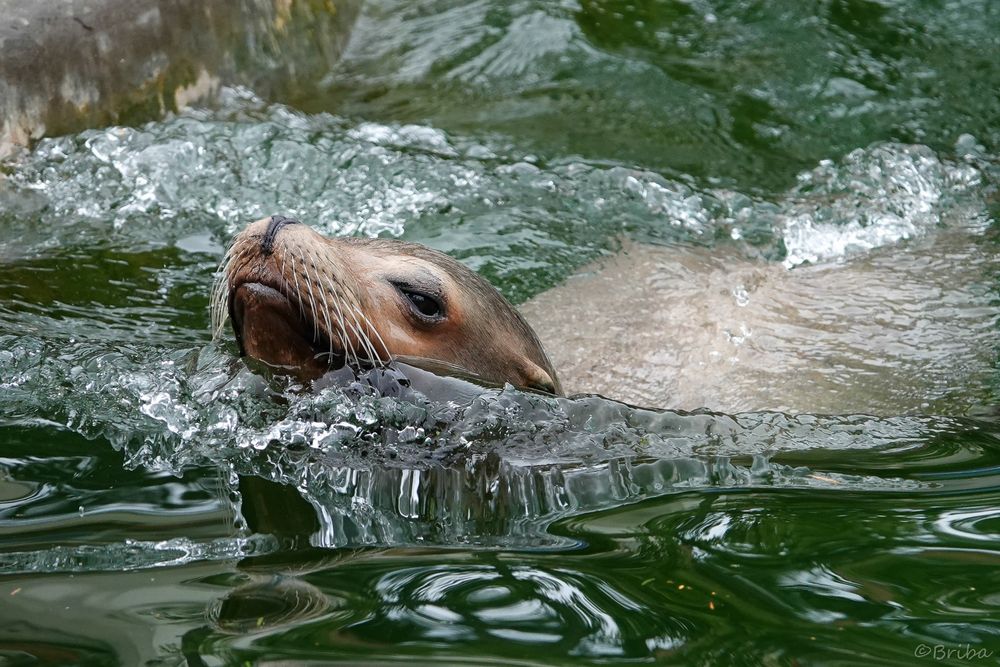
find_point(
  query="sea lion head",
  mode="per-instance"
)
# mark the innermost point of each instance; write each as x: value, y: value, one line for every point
x: 307, y: 304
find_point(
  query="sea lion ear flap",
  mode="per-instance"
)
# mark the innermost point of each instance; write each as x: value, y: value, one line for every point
x: 536, y: 378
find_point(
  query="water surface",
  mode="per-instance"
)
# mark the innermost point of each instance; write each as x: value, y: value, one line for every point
x: 161, y: 504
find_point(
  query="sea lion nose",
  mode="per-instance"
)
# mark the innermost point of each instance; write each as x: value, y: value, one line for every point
x: 275, y: 225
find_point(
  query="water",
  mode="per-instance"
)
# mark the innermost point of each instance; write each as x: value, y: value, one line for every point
x: 161, y: 504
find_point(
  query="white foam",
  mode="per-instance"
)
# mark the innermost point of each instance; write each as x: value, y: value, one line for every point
x: 874, y: 197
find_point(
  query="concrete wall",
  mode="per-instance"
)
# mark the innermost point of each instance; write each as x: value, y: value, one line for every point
x: 66, y: 65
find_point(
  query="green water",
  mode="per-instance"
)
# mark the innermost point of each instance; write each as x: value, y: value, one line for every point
x: 160, y: 504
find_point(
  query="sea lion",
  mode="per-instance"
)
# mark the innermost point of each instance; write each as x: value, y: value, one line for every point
x: 306, y: 304
x: 902, y: 329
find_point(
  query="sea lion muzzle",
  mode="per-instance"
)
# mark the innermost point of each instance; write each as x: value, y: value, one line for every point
x: 267, y: 328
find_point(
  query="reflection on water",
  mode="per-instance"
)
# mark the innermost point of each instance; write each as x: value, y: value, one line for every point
x: 161, y: 504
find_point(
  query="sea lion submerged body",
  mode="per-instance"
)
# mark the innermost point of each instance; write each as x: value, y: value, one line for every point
x: 905, y: 329
x: 308, y: 304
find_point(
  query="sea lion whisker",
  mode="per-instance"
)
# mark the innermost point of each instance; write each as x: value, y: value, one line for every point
x: 361, y: 332
x: 284, y: 287
x: 298, y: 290
x: 339, y: 330
x: 355, y: 327
x: 365, y: 340
x: 344, y: 324
x: 371, y: 327
x: 349, y: 350
x: 234, y: 253
x: 213, y: 308
x: 312, y: 301
x: 280, y: 265
x: 329, y: 323
x: 218, y: 304
x: 231, y: 262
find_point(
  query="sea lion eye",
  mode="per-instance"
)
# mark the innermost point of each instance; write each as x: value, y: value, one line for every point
x: 423, y: 305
